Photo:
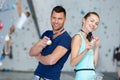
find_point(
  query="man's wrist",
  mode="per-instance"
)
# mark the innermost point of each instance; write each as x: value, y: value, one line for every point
x: 41, y: 48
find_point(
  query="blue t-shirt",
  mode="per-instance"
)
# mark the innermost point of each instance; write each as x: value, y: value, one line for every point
x: 53, y: 71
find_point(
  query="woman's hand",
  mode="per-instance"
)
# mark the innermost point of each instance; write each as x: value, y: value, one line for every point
x: 97, y: 41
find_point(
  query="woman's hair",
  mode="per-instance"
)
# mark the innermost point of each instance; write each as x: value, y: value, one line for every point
x: 89, y: 13
x: 89, y: 36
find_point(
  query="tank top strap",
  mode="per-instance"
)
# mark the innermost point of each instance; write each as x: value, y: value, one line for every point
x: 79, y: 33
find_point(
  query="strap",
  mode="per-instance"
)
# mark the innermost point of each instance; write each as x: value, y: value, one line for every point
x: 58, y: 33
x: 76, y: 70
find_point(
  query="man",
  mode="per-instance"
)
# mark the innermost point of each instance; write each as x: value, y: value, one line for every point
x: 52, y: 56
x: 19, y: 24
x: 116, y: 59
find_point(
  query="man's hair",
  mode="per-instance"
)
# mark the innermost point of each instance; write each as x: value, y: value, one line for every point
x: 28, y: 14
x: 59, y: 9
x: 117, y: 49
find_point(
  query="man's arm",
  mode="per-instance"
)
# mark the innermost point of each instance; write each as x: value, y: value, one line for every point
x: 38, y: 47
x: 19, y: 7
x: 52, y: 58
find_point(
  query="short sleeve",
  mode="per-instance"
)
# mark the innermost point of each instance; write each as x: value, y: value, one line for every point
x: 65, y: 41
x: 47, y: 33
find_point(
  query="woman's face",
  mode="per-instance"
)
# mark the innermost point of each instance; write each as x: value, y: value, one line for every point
x: 91, y: 22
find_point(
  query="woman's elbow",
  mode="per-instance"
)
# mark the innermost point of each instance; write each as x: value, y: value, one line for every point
x: 95, y: 64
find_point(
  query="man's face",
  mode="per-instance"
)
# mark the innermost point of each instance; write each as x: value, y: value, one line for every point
x: 57, y: 20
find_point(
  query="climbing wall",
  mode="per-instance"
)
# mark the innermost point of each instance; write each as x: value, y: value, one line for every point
x: 22, y: 41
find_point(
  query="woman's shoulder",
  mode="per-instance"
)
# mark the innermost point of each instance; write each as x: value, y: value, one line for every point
x: 77, y: 35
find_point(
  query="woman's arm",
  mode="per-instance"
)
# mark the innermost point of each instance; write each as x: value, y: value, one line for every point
x: 96, y: 51
x: 75, y: 46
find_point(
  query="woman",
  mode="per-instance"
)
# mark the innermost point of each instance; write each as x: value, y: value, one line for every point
x: 85, y: 46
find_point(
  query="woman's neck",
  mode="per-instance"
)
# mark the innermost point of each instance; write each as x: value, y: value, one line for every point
x: 84, y: 32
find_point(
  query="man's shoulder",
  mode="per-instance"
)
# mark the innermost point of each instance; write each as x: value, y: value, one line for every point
x: 66, y: 34
x: 47, y: 33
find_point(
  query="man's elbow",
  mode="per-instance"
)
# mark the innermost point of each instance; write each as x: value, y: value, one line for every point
x: 30, y: 54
